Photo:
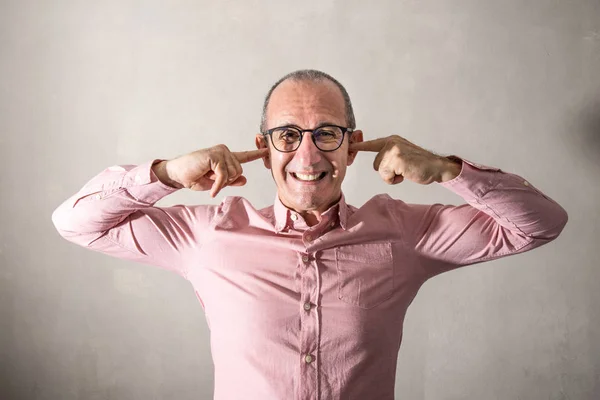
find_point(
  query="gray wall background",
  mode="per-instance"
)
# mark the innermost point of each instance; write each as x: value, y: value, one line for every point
x: 85, y: 85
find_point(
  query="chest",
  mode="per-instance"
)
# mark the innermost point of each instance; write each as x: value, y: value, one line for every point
x: 261, y: 280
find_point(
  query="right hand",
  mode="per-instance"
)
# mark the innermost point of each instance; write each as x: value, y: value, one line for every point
x: 207, y: 169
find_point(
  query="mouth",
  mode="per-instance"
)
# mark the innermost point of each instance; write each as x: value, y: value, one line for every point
x: 308, y: 178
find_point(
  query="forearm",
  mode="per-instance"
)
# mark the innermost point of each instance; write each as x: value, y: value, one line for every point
x: 510, y: 200
x: 106, y: 200
x: 504, y: 215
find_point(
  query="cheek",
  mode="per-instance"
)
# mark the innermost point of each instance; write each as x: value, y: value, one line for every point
x: 279, y: 161
x: 339, y: 167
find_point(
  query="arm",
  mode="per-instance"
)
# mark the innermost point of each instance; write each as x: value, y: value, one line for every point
x: 114, y: 214
x: 504, y: 215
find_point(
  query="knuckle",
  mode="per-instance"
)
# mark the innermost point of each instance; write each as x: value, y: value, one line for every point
x: 385, y: 172
x: 395, y: 150
x: 220, y: 149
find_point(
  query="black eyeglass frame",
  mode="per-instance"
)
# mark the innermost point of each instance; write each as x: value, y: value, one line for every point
x: 344, y: 129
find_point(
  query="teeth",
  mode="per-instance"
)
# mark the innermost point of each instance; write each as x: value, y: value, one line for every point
x: 306, y: 177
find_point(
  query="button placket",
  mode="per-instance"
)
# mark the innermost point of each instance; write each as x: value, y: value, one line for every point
x: 309, y: 323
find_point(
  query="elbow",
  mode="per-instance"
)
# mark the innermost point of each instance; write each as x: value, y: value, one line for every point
x: 58, y: 221
x: 557, y: 224
x: 564, y: 218
x: 63, y: 222
x: 74, y: 227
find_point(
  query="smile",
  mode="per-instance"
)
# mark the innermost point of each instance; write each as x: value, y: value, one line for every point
x: 308, y: 177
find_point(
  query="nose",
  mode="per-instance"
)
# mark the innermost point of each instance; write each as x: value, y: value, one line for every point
x: 308, y: 154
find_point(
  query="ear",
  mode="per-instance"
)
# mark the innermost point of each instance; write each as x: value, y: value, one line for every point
x: 356, y: 137
x: 261, y: 143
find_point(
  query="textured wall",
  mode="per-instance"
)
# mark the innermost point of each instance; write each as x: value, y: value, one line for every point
x: 85, y: 85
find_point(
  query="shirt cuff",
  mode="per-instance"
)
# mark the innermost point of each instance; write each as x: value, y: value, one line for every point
x: 474, y: 180
x: 144, y: 185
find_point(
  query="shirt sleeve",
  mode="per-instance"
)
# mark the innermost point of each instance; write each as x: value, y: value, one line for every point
x: 114, y: 213
x: 505, y: 214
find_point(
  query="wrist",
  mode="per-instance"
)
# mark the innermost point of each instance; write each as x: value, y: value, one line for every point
x: 161, y: 170
x: 451, y: 168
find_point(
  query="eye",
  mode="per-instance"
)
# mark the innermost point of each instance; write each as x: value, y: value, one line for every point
x: 325, y: 132
x: 287, y: 134
x: 290, y: 133
x: 328, y: 133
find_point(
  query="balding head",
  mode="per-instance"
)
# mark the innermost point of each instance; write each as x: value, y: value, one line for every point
x: 311, y: 76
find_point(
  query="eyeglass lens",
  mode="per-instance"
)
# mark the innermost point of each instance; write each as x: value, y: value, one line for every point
x: 326, y: 138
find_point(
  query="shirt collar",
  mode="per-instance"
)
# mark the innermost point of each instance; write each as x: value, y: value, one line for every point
x: 283, y: 215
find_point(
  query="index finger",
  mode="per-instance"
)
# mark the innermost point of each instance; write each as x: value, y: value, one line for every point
x: 247, y: 156
x: 369, y: 145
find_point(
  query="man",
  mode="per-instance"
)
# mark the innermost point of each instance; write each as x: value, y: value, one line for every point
x: 305, y: 299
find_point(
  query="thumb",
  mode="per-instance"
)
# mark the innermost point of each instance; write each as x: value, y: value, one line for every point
x: 240, y: 181
x: 397, y: 179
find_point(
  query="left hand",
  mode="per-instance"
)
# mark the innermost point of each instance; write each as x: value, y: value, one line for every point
x: 398, y: 159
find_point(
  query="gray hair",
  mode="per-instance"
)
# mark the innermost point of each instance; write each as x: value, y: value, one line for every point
x: 310, y: 75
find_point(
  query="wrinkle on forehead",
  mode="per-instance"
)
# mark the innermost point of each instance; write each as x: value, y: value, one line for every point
x: 306, y: 104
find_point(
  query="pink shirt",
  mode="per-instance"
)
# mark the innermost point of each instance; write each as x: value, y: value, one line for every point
x: 299, y: 312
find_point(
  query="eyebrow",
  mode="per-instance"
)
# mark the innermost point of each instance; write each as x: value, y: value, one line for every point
x: 319, y: 124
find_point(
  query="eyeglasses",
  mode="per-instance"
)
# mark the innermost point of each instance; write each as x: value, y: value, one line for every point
x: 288, y: 138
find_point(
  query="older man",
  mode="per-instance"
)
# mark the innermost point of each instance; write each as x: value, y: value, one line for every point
x: 305, y: 299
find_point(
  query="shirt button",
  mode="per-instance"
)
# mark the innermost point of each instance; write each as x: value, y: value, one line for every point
x: 308, y: 359
x: 308, y: 238
x: 294, y: 217
x: 305, y: 258
x: 526, y: 183
x: 97, y: 197
x: 332, y: 224
x: 307, y: 306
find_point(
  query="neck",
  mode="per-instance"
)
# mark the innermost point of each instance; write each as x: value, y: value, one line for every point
x: 311, y: 217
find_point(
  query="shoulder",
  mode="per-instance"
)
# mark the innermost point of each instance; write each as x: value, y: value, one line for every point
x: 235, y: 204
x: 382, y: 201
x: 386, y: 206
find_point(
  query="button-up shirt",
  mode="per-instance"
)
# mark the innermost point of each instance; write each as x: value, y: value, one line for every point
x: 308, y: 312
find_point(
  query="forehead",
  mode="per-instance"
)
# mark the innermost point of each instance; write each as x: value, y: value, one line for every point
x: 306, y: 104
